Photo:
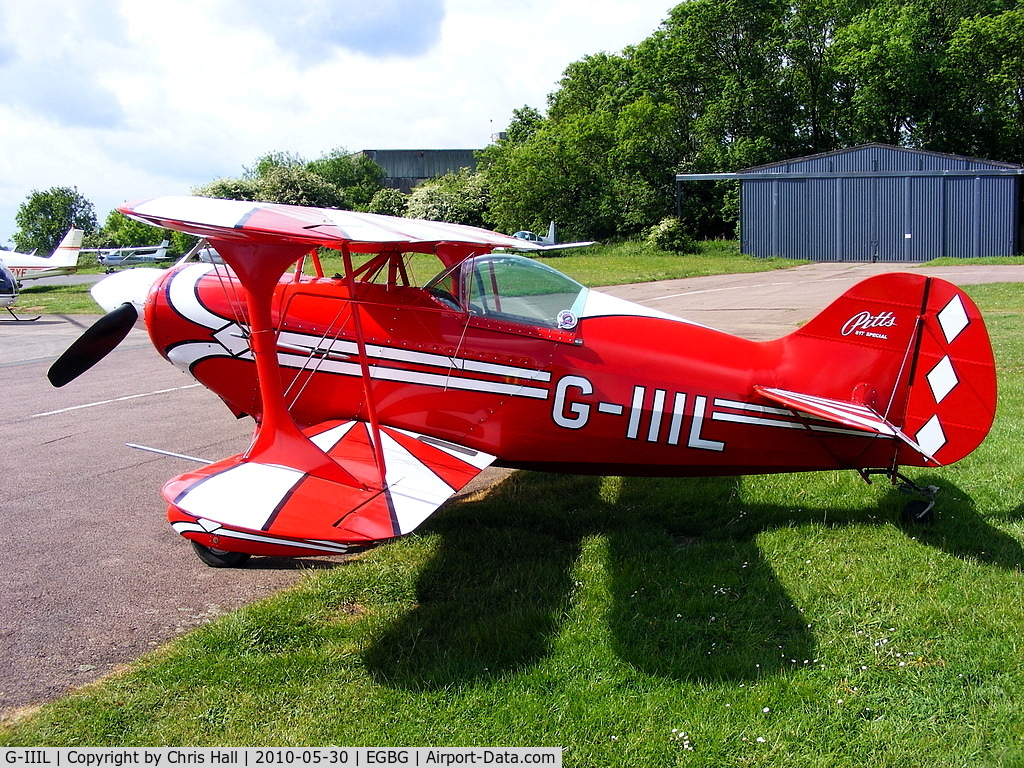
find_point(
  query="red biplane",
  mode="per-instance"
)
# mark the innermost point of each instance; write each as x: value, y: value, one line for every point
x: 376, y: 399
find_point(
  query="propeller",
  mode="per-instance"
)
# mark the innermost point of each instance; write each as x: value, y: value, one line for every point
x: 122, y: 294
x: 92, y: 346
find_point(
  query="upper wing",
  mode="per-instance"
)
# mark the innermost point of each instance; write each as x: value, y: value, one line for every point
x: 362, y: 232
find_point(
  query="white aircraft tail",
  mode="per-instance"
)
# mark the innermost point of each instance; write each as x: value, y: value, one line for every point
x: 66, y: 254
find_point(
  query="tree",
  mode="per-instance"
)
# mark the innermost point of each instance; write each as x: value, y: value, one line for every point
x: 45, y: 217
x: 230, y: 189
x: 119, y: 231
x: 388, y: 202
x: 272, y: 161
x: 288, y: 183
x: 703, y: 93
x: 357, y: 175
x: 603, y: 82
x: 723, y: 65
x: 525, y: 122
x: 300, y: 186
x: 457, y: 198
x: 560, y: 173
x: 811, y: 75
x: 986, y: 61
x: 335, y: 180
x: 882, y: 67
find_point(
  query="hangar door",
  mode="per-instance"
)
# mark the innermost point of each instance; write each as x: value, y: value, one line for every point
x: 873, y: 218
x: 880, y: 217
x: 825, y: 219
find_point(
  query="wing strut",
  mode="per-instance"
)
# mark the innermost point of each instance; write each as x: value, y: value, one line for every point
x: 364, y: 366
x: 278, y: 441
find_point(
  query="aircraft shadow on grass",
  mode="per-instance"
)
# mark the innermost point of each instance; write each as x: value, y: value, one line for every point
x: 692, y: 596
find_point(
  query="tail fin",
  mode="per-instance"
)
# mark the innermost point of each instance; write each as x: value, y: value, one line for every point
x: 902, y: 355
x: 66, y: 254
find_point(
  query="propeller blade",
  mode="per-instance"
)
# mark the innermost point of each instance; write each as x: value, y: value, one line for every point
x: 92, y: 346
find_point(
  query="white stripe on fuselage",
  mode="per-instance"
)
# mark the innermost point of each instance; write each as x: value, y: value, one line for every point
x: 301, y: 351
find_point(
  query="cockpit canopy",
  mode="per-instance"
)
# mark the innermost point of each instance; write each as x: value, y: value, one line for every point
x: 508, y: 287
x: 6, y: 283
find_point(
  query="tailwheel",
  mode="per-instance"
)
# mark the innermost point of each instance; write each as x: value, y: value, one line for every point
x: 219, y: 558
x: 919, y: 511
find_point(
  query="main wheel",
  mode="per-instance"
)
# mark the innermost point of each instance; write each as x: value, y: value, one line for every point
x: 219, y: 558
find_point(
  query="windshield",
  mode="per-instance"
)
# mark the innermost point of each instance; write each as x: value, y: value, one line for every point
x: 511, y: 288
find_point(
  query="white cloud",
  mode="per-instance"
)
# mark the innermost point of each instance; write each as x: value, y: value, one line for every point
x: 135, y: 99
x: 384, y: 28
x: 47, y: 69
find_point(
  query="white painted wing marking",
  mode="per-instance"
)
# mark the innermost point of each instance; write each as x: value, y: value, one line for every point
x: 244, y: 495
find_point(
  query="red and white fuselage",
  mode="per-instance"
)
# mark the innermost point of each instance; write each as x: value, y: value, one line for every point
x: 625, y: 390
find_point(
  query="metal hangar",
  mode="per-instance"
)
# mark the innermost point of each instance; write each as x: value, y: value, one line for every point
x: 877, y: 202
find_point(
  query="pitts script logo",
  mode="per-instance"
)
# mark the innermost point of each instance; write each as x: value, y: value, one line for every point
x: 866, y: 324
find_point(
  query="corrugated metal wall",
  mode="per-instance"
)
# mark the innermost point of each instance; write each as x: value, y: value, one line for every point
x: 880, y: 203
x: 405, y: 168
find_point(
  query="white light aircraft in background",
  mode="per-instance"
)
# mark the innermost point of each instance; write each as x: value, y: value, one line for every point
x: 550, y: 240
x: 63, y: 261
x: 122, y: 257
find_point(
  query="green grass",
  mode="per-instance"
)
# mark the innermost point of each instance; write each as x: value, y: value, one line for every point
x: 780, y: 621
x: 635, y: 262
x: 56, y: 300
x: 982, y: 260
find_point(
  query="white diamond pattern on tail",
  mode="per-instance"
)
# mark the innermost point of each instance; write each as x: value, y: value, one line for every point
x: 942, y: 379
x: 953, y: 319
x: 931, y: 437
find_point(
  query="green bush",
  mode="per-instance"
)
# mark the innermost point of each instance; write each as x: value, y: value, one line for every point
x: 389, y: 202
x: 670, y: 235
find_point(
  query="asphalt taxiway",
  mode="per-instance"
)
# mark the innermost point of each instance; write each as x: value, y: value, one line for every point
x: 94, y: 577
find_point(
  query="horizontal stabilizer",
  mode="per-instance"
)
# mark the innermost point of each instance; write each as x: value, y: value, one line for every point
x: 256, y: 505
x: 856, y: 416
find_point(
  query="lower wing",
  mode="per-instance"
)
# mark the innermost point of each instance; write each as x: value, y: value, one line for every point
x: 248, y: 506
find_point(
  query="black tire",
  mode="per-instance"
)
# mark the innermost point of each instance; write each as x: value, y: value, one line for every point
x: 919, y: 512
x: 219, y: 558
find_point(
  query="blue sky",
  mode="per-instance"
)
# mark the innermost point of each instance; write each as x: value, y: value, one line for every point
x: 127, y: 99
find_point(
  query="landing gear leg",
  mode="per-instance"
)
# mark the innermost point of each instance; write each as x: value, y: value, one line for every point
x: 20, y: 319
x: 919, y: 511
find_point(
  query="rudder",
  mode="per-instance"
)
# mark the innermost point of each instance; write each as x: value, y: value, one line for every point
x: 915, y: 350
